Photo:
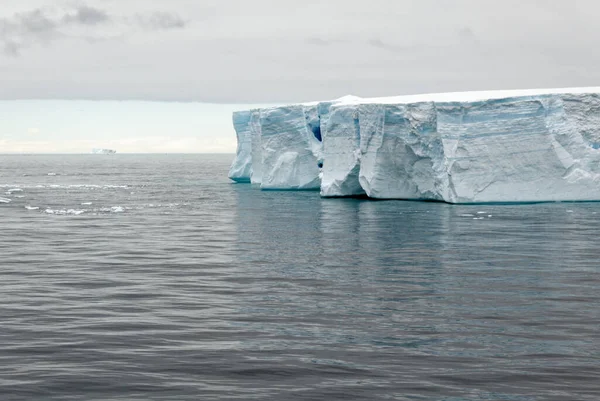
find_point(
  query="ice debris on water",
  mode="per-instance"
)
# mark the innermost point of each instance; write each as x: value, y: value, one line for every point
x: 28, y: 207
x: 64, y: 212
x: 4, y: 200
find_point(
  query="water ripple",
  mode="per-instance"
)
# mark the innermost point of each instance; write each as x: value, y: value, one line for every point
x: 202, y: 289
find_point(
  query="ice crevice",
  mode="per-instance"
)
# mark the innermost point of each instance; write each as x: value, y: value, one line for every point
x: 469, y: 147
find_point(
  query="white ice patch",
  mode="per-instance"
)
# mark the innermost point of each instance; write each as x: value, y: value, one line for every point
x: 28, y: 207
x: 5, y: 200
x: 74, y: 212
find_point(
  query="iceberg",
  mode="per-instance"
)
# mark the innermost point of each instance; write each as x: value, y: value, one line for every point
x: 290, y: 149
x: 241, y: 168
x: 256, y: 148
x: 468, y: 147
x: 341, y: 153
x: 97, y: 151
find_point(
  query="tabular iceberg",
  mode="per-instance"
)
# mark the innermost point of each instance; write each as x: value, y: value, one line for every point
x: 471, y: 147
x: 98, y: 151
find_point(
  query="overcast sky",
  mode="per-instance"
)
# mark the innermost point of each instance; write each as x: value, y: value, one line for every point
x: 272, y: 51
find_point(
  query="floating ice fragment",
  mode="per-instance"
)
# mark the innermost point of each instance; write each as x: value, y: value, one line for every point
x: 86, y: 203
x: 4, y: 200
x: 569, y: 211
x: 117, y: 209
x: 467, y: 215
x: 481, y: 212
x: 52, y: 174
x: 64, y: 212
x: 32, y: 207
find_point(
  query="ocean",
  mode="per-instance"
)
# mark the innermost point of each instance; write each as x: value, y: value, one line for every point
x: 153, y: 277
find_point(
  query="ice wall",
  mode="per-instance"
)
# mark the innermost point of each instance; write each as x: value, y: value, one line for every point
x: 401, y: 151
x: 241, y: 168
x: 472, y: 147
x: 256, y: 147
x: 290, y: 148
x: 341, y: 152
x: 521, y: 149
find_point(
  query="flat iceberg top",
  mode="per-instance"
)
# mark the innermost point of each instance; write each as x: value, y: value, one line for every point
x: 465, y: 96
x: 349, y: 99
x: 469, y: 96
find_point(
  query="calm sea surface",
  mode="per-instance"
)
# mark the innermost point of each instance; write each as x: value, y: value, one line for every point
x: 138, y: 277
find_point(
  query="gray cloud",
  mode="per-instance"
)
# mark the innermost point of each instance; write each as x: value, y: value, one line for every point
x: 318, y: 42
x: 86, y: 15
x: 45, y: 25
x: 35, y: 22
x: 161, y: 21
x: 277, y: 51
x: 11, y: 48
x: 466, y: 34
x: 25, y: 29
x: 378, y: 43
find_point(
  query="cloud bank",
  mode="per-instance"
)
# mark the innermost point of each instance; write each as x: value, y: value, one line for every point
x: 285, y: 51
x: 42, y: 26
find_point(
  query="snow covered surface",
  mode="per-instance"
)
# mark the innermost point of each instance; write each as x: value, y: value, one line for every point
x: 469, y: 147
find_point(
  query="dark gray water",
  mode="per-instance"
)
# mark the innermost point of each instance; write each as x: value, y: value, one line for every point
x: 152, y: 277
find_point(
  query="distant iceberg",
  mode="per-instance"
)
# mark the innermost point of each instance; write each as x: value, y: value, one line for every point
x: 468, y: 147
x: 96, y: 151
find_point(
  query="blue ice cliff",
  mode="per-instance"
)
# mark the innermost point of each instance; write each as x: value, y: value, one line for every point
x: 469, y: 147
